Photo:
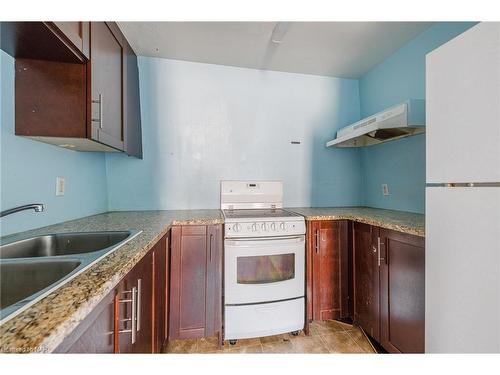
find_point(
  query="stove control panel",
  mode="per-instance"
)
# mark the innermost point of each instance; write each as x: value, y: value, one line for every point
x: 265, y: 228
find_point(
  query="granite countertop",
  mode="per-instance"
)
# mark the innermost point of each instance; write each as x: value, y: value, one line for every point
x: 400, y: 221
x: 43, y: 326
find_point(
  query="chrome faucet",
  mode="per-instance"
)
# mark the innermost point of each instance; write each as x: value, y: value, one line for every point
x: 38, y: 207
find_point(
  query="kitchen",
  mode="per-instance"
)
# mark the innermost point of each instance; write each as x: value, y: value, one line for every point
x: 249, y: 187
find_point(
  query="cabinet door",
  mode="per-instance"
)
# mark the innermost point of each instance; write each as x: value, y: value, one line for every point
x: 366, y: 278
x: 106, y: 86
x: 131, y: 103
x: 402, y: 292
x: 78, y: 33
x: 144, y: 326
x: 160, y: 265
x: 136, y: 308
x: 188, y: 282
x: 97, y: 333
x: 214, y: 282
x: 329, y: 270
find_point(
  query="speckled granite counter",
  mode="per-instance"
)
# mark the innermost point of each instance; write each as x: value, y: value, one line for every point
x: 43, y: 326
x: 401, y: 221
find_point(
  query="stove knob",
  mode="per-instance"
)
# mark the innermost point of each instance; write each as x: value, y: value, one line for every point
x: 264, y: 226
x: 283, y: 226
x: 254, y: 227
x: 236, y: 227
x: 273, y: 226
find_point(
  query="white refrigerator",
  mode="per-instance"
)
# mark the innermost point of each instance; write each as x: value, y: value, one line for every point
x: 462, y: 312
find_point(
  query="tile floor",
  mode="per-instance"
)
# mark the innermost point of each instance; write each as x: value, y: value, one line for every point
x: 327, y: 336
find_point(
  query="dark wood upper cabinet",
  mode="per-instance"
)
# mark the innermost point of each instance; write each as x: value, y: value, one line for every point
x: 51, y: 41
x: 106, y: 54
x: 195, y: 282
x: 366, y: 279
x: 132, y: 105
x: 77, y: 85
x: 402, y: 292
x: 77, y: 32
x: 327, y: 270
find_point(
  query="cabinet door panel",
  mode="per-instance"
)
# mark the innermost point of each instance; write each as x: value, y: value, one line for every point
x: 366, y: 279
x: 132, y: 132
x: 140, y: 277
x: 188, y: 284
x: 402, y: 292
x: 78, y: 33
x: 106, y: 83
x: 96, y: 334
x: 329, y: 270
x: 144, y: 282
x: 160, y: 287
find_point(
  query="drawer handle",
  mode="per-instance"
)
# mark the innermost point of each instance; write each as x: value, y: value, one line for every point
x: 133, y: 317
x: 139, y: 298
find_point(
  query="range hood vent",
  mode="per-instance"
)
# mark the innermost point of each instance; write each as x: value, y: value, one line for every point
x: 397, y: 122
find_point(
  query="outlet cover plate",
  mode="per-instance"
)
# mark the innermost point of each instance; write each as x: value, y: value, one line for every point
x: 385, y: 189
x: 60, y: 186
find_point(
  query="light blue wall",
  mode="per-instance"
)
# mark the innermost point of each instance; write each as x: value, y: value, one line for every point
x: 29, y: 170
x: 400, y: 164
x: 203, y: 123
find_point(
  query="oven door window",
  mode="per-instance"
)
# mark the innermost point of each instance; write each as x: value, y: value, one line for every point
x: 265, y: 269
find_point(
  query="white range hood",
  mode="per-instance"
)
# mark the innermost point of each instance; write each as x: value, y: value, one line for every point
x: 400, y: 121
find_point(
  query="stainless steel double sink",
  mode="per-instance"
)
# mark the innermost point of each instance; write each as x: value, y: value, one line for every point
x: 34, y: 267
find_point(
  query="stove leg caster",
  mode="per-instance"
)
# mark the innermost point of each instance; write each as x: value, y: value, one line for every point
x: 295, y: 333
x: 232, y: 342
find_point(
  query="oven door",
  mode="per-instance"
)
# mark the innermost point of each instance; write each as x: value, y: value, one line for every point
x: 263, y: 269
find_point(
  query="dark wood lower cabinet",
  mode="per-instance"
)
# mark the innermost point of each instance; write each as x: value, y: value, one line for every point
x: 366, y: 278
x: 136, y: 308
x: 131, y: 318
x: 161, y: 283
x: 96, y: 334
x: 389, y: 287
x: 327, y: 270
x: 196, y: 281
x: 402, y: 292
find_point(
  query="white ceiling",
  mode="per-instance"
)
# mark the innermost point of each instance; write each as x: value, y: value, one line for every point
x: 338, y: 49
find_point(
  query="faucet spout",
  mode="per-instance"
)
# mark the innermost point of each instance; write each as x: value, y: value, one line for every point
x: 38, y: 207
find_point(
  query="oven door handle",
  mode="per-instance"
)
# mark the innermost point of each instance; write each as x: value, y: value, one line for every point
x: 265, y: 241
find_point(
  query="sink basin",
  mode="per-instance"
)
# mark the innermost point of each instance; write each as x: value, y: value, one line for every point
x: 34, y: 267
x: 22, y: 279
x: 62, y: 244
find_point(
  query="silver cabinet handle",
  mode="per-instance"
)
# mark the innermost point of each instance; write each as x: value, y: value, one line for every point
x: 132, y: 318
x: 139, y: 298
x: 317, y: 241
x: 380, y: 258
x: 100, y: 102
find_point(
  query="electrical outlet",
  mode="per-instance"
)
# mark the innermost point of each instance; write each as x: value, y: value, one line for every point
x: 385, y: 189
x: 60, y: 186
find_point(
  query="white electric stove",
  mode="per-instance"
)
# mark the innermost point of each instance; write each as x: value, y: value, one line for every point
x: 264, y: 261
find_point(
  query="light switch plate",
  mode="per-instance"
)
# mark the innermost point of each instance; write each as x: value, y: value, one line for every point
x: 60, y: 186
x: 385, y: 189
